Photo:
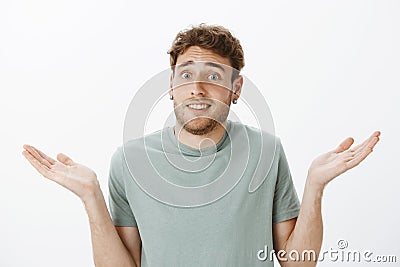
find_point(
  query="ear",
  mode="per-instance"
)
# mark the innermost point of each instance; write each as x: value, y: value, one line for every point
x: 237, y: 87
x: 171, y: 77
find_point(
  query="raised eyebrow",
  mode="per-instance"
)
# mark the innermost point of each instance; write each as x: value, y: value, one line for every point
x: 211, y: 64
x: 187, y: 63
x: 216, y: 65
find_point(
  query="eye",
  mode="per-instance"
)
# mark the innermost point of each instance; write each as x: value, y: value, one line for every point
x: 213, y: 77
x: 186, y: 75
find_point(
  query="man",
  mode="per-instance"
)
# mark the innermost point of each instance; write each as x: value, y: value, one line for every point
x: 230, y: 231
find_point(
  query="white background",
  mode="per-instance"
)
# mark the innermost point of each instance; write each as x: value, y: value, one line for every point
x: 69, y: 69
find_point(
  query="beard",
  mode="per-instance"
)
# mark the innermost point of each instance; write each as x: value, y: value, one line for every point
x: 200, y: 126
x: 216, y: 114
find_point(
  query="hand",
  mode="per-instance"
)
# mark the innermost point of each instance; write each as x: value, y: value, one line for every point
x: 330, y: 165
x: 77, y: 178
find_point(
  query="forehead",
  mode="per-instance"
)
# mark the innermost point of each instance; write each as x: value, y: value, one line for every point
x: 195, y: 53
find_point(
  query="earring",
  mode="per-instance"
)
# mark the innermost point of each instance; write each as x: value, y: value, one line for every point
x: 234, y: 101
x: 171, y: 97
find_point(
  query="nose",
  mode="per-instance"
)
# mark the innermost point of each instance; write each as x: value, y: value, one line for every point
x: 198, y: 88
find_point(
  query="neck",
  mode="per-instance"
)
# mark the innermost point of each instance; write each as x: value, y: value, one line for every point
x: 200, y: 141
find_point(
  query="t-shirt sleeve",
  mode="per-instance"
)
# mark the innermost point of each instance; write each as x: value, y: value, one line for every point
x: 286, y: 204
x: 120, y: 210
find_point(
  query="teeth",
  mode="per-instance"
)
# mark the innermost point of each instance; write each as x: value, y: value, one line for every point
x: 198, y: 106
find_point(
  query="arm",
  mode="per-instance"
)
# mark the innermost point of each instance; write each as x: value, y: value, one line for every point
x: 302, y: 234
x: 130, y: 236
x: 305, y: 233
x: 108, y: 248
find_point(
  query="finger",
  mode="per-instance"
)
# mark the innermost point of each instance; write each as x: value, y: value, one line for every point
x: 358, y: 158
x: 344, y: 145
x: 360, y: 146
x: 65, y: 159
x: 33, y: 151
x: 41, y: 168
x: 367, y: 146
x: 366, y: 141
x: 43, y: 155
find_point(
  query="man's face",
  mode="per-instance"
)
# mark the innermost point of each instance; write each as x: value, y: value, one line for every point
x: 202, y: 88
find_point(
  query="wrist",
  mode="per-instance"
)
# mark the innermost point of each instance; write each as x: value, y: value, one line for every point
x: 314, y: 186
x: 93, y: 193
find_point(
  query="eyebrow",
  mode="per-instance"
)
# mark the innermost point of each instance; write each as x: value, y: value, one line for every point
x: 211, y: 64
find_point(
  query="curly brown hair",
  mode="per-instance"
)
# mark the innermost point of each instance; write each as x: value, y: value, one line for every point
x: 212, y: 37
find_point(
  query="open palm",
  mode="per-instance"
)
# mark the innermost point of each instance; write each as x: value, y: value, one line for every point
x: 333, y: 163
x: 76, y: 177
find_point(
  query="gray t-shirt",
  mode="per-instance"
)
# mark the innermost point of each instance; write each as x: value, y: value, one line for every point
x: 227, y: 232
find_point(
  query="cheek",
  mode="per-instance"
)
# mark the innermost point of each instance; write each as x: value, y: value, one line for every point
x: 180, y: 94
x: 223, y: 95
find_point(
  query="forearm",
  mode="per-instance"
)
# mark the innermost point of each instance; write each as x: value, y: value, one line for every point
x: 108, y: 249
x: 308, y: 231
x: 307, y: 234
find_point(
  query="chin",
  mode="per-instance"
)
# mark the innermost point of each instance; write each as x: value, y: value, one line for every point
x: 200, y: 126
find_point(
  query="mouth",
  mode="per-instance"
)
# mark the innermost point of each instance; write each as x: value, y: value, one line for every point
x: 198, y: 107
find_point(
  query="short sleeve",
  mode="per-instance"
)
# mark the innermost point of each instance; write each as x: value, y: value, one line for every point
x: 286, y: 204
x: 120, y: 210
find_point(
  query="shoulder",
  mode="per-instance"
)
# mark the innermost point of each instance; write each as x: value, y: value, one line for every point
x: 258, y: 137
x: 134, y: 148
x: 151, y: 140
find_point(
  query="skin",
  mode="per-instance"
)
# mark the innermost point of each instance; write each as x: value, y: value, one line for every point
x: 192, y: 128
x: 121, y: 246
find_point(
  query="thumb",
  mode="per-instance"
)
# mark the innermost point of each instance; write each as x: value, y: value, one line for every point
x: 65, y: 159
x: 344, y: 145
